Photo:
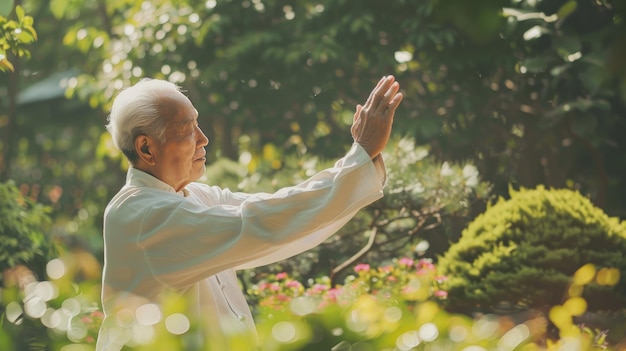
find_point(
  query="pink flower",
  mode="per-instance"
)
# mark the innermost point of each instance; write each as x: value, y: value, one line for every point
x: 406, y: 261
x: 293, y: 284
x: 386, y: 269
x: 425, y: 264
x: 441, y: 278
x: 89, y: 339
x: 319, y: 288
x: 333, y: 294
x: 274, y: 287
x: 442, y: 294
x: 282, y: 297
x: 264, y: 286
x: 281, y: 275
x: 362, y: 267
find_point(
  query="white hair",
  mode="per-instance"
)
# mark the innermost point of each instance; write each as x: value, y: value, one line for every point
x: 135, y: 111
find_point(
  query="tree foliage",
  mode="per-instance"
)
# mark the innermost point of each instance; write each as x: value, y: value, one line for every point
x: 541, y: 103
x: 23, y: 223
x: 533, y: 90
x: 15, y: 36
x: 530, y: 92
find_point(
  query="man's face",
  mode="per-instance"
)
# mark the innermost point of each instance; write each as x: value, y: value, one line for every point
x: 181, y: 158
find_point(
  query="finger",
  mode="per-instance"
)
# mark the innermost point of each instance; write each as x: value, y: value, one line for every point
x: 395, y: 102
x: 389, y: 94
x: 381, y: 81
x: 375, y: 93
x: 381, y: 92
x: 357, y: 113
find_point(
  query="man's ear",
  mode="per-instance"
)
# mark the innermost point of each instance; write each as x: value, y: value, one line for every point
x: 143, y: 145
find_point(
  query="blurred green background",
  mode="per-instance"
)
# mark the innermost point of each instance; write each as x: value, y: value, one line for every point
x: 503, y: 93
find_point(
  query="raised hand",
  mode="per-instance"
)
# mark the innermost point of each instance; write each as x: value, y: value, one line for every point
x: 372, y: 122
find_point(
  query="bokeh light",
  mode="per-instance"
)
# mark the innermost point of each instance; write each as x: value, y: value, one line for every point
x: 13, y: 312
x: 71, y: 307
x: 284, y: 332
x: 143, y: 334
x: 485, y: 327
x: 148, y: 314
x: 474, y: 348
x: 428, y: 332
x: 177, y: 323
x: 55, y: 269
x: 50, y: 319
x: 514, y: 337
x: 408, y: 340
x: 35, y: 307
x: 303, y: 305
x: 393, y: 314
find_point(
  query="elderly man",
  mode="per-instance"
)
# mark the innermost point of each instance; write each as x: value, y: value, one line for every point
x: 168, y: 237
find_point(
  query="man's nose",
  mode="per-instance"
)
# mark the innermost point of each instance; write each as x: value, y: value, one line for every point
x: 203, y: 140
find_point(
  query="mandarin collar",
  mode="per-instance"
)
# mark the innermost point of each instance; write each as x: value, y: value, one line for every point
x: 136, y: 177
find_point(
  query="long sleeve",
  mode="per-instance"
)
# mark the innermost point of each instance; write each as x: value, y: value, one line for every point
x: 191, y: 242
x: 172, y: 241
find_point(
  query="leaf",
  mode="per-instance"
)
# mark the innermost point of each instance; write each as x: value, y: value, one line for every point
x: 6, y: 65
x: 567, y: 9
x: 31, y: 30
x: 25, y: 37
x: 520, y: 14
x: 535, y: 32
x: 524, y: 15
x: 558, y: 70
x: 593, y: 78
x: 19, y: 11
x: 28, y: 21
x: 58, y: 8
x: 534, y: 65
x: 566, y: 46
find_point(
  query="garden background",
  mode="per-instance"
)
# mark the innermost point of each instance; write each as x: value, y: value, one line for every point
x: 504, y: 99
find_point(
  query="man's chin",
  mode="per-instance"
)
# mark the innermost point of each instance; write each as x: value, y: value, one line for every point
x: 200, y: 172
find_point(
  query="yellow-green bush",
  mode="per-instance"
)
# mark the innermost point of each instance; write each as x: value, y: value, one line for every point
x: 523, y: 252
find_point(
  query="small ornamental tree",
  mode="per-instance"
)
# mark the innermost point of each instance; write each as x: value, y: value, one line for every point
x: 522, y: 252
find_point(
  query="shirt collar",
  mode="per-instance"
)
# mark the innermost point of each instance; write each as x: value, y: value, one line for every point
x: 136, y: 177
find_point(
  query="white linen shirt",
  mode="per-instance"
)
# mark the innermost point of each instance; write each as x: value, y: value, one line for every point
x: 191, y: 242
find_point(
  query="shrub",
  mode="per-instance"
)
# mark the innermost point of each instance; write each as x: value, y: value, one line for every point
x: 410, y: 280
x: 22, y: 238
x: 374, y: 310
x: 522, y: 252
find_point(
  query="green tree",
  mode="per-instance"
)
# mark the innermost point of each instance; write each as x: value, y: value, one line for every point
x: 274, y: 80
x: 531, y: 90
x: 15, y: 37
x: 539, y: 99
x: 23, y: 239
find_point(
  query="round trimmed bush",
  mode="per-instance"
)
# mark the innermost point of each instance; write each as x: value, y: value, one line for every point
x: 523, y: 252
